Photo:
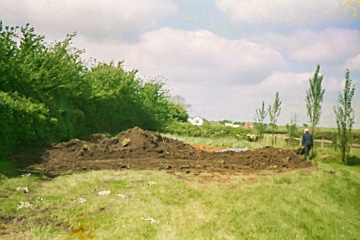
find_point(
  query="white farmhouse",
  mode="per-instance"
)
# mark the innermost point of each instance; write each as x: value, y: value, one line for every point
x: 232, y: 125
x: 198, y: 121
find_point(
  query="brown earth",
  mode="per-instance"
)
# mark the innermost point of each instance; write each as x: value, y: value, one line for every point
x: 137, y: 149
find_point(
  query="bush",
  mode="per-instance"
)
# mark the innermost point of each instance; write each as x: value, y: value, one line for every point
x: 207, y: 130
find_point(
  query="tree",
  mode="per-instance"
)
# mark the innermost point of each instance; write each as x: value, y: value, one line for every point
x: 314, y: 98
x: 178, y: 108
x: 345, y: 118
x: 259, y: 120
x: 291, y: 127
x: 177, y: 112
x: 223, y: 122
x: 177, y: 99
x: 274, y: 113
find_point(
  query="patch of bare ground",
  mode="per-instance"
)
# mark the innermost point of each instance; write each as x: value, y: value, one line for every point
x: 137, y: 149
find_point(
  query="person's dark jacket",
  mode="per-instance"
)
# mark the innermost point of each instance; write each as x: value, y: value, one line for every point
x: 307, y: 139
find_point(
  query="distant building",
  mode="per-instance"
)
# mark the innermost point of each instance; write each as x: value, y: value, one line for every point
x: 198, y: 121
x: 249, y: 125
x: 232, y: 125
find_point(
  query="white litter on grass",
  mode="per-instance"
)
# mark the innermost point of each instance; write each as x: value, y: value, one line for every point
x: 39, y: 200
x: 24, y: 205
x: 152, y: 183
x: 151, y: 220
x: 23, y: 189
x: 82, y: 200
x: 105, y: 192
x: 121, y: 195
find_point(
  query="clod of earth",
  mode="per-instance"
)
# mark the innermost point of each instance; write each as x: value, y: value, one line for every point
x: 137, y: 149
x: 125, y: 142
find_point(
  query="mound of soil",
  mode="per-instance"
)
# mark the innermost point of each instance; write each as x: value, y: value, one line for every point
x: 133, y: 143
x: 139, y: 150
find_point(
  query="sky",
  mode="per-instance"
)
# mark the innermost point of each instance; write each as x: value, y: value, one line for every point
x: 224, y: 57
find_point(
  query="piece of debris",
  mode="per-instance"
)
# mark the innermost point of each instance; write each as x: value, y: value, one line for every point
x: 151, y: 220
x: 105, y: 192
x: 152, y: 183
x: 24, y: 205
x: 126, y: 142
x: 234, y: 150
x: 121, y: 195
x: 22, y: 189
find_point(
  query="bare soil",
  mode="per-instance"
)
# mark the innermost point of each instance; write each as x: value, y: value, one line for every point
x: 137, y: 149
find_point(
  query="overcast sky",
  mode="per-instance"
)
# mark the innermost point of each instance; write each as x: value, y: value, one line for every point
x: 223, y: 56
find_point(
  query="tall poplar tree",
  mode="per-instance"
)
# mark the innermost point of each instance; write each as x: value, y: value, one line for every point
x: 292, y: 128
x: 259, y: 120
x: 345, y: 118
x: 314, y: 98
x: 274, y: 113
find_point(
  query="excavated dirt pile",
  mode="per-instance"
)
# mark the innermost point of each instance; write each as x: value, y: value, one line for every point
x: 133, y: 143
x: 139, y: 150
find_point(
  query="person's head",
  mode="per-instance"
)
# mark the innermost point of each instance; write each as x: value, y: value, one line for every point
x: 306, y: 130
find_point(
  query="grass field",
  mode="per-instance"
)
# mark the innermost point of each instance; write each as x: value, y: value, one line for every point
x: 317, y: 203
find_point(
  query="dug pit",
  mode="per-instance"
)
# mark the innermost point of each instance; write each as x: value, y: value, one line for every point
x: 137, y: 149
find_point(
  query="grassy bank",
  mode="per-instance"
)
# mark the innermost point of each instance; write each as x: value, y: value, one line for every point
x: 320, y: 203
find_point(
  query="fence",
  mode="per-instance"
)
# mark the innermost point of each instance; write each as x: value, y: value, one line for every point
x: 285, y: 138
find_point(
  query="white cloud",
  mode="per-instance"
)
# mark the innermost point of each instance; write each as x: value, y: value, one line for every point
x: 292, y: 90
x: 241, y: 101
x: 287, y: 13
x: 330, y: 46
x: 96, y: 20
x: 201, y: 56
x: 332, y: 85
x: 353, y: 64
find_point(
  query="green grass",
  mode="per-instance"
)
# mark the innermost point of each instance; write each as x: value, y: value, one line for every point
x: 232, y: 142
x: 317, y: 203
x: 320, y: 203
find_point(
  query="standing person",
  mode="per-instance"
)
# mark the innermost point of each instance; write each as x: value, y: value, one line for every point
x: 307, y: 142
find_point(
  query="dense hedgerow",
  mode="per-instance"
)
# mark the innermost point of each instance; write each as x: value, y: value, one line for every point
x: 206, y: 130
x: 49, y: 93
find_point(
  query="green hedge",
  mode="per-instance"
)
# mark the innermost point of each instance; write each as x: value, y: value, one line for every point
x: 49, y: 93
x: 206, y: 130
